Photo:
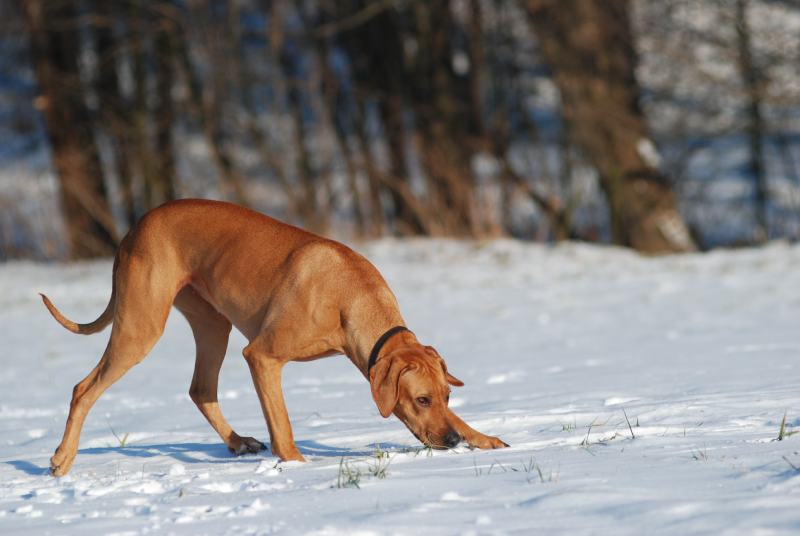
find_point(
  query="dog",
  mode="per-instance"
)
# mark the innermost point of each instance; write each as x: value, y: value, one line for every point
x: 294, y: 295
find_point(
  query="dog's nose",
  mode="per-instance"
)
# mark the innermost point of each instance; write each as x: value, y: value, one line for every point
x: 451, y: 439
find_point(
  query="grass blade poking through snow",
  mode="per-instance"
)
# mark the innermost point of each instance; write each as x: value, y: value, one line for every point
x: 782, y: 433
x: 123, y: 441
x: 633, y: 436
x: 348, y: 476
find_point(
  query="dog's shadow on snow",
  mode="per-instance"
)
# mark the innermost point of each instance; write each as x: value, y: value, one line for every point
x: 182, y: 452
x: 191, y: 453
x: 28, y: 468
x: 314, y: 448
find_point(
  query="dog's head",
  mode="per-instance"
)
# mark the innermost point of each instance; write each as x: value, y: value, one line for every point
x: 413, y: 383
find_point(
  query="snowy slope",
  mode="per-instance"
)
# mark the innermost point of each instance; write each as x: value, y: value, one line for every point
x: 702, y: 353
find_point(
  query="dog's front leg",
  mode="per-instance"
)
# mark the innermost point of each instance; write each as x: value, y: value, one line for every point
x: 473, y: 437
x: 266, y: 372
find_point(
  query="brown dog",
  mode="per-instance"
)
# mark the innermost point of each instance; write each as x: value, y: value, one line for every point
x: 294, y: 295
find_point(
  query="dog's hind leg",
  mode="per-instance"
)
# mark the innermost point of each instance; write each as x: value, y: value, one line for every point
x: 140, y: 313
x: 211, y: 330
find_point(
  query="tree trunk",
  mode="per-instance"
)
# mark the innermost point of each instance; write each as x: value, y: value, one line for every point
x: 311, y: 212
x: 250, y: 104
x: 376, y: 47
x: 407, y: 220
x: 142, y: 162
x: 55, y: 48
x: 232, y: 183
x: 443, y: 123
x: 332, y: 98
x: 370, y: 168
x: 160, y: 185
x: 589, y: 48
x: 755, y: 127
x: 114, y: 114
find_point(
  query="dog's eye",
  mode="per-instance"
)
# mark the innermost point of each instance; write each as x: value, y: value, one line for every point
x: 424, y: 401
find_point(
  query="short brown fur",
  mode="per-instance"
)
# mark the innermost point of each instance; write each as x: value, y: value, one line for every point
x: 294, y: 295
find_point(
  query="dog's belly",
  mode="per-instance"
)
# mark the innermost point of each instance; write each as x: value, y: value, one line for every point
x: 246, y: 321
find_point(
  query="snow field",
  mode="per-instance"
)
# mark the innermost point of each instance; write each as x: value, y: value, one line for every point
x: 639, y: 395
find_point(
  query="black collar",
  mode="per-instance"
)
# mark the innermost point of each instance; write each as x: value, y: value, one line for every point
x: 373, y: 355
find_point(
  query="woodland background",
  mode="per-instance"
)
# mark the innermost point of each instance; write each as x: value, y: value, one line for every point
x: 661, y: 125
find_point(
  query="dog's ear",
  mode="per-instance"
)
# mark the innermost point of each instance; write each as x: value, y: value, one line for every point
x: 384, y: 382
x: 452, y: 380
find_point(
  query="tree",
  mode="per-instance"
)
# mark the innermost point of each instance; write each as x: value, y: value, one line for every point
x: 160, y: 185
x: 753, y: 83
x: 55, y: 49
x: 588, y: 47
x: 438, y: 99
x: 114, y: 114
x: 379, y: 72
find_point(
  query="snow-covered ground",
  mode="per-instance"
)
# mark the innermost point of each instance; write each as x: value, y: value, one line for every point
x: 556, y: 346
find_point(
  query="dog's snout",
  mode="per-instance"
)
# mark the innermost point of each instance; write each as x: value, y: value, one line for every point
x: 451, y: 439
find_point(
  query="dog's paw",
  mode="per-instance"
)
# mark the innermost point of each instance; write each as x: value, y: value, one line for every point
x: 292, y: 457
x: 288, y: 453
x: 486, y: 442
x: 247, y: 445
x: 60, y: 464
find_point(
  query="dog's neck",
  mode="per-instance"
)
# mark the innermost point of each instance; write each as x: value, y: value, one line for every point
x: 363, y: 343
x: 365, y: 320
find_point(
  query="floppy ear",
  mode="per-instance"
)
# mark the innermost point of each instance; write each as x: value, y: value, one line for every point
x: 384, y: 382
x: 452, y: 380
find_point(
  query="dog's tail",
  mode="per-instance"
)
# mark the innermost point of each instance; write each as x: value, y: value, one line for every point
x: 92, y: 327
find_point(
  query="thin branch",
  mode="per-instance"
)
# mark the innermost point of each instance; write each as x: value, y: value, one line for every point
x: 354, y: 20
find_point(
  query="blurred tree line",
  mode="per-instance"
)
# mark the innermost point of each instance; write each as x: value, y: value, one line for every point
x: 470, y: 118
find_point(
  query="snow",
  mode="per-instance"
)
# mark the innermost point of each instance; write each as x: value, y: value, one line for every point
x: 560, y: 349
